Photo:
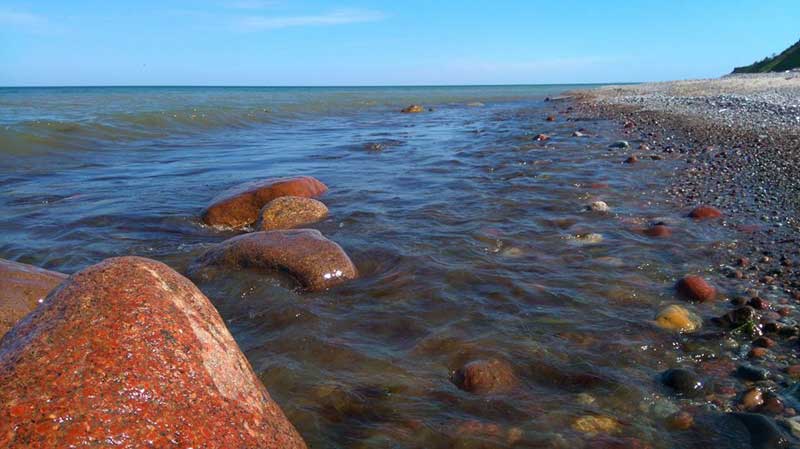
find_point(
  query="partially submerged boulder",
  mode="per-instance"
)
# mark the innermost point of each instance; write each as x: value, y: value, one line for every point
x: 239, y: 207
x: 316, y: 262
x: 129, y: 353
x: 289, y: 212
x: 413, y: 109
x: 22, y: 287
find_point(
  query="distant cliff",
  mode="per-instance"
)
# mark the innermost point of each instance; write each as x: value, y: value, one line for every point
x: 787, y: 60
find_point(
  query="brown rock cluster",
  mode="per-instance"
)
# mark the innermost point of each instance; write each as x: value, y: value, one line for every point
x: 21, y: 288
x: 240, y: 207
x: 128, y: 353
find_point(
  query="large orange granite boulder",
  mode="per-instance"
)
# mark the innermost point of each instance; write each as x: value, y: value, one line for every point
x: 129, y: 354
x: 240, y: 207
x: 22, y: 286
x: 305, y: 254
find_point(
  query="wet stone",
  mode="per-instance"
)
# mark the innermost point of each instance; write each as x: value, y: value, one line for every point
x: 305, y: 254
x: 413, y: 109
x: 485, y: 376
x: 752, y: 399
x: 598, y: 206
x: 596, y: 424
x: 621, y: 144
x: 705, y: 213
x: 658, y: 231
x: 678, y: 318
x: 695, y: 288
x: 129, y: 353
x: 683, y: 381
x: 737, y: 317
x: 289, y: 212
x: 763, y: 432
x: 752, y: 373
x: 22, y: 287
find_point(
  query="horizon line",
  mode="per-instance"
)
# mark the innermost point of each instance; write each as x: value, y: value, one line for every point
x: 58, y: 86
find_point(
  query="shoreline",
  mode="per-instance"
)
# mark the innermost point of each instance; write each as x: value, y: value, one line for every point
x: 731, y: 163
x: 742, y: 159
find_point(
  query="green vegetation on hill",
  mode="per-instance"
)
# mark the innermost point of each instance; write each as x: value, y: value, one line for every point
x: 787, y: 60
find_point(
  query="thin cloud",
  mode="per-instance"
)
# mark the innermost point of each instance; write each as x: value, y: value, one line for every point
x: 23, y: 20
x: 340, y: 17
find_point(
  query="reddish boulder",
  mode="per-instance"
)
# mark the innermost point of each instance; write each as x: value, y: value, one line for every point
x: 696, y: 288
x: 128, y: 353
x: 22, y: 287
x: 485, y: 376
x: 705, y: 213
x: 316, y: 262
x: 239, y: 207
x: 289, y: 212
x: 658, y: 231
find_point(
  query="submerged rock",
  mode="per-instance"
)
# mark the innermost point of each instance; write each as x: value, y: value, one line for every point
x: 595, y: 424
x: 413, y: 109
x: 240, y: 207
x: 680, y: 421
x: 678, y: 318
x: 22, y: 287
x: 598, y: 206
x: 658, y: 231
x: 591, y: 238
x: 752, y: 398
x: 289, y: 212
x: 316, y: 262
x: 621, y: 144
x: 682, y: 381
x: 763, y: 432
x: 695, y: 288
x: 632, y: 159
x: 737, y: 317
x: 705, y: 213
x: 129, y: 353
x: 485, y: 376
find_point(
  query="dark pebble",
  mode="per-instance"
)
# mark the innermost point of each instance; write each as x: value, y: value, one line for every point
x: 682, y: 381
x: 751, y: 373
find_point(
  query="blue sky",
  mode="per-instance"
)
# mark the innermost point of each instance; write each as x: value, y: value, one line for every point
x: 296, y: 42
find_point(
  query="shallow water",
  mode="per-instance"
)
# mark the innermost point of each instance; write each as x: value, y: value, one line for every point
x: 462, y: 226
